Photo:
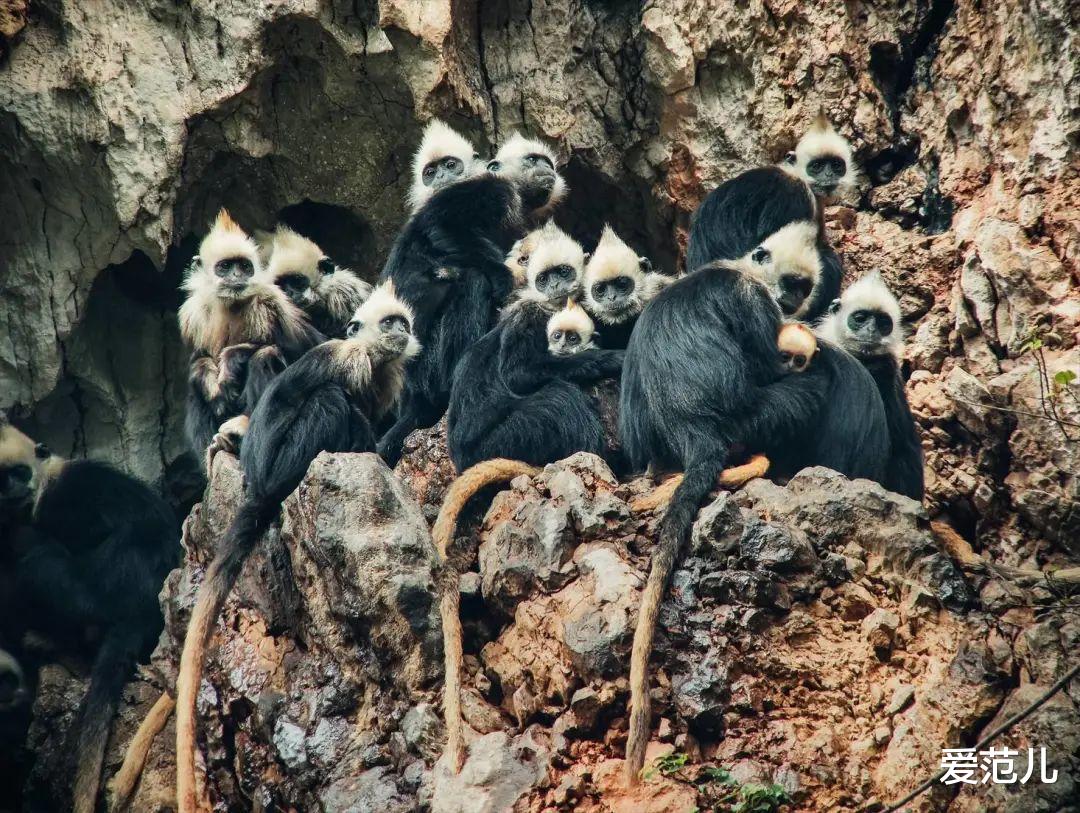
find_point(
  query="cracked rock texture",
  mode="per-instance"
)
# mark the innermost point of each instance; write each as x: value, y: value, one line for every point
x: 814, y: 637
x: 125, y: 125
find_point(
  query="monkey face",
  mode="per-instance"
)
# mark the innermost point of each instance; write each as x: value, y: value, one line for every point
x: 615, y: 296
x: 12, y: 683
x: 298, y: 288
x: 233, y: 275
x: 566, y: 342
x: 825, y: 173
x: 21, y: 461
x: 797, y: 345
x: 442, y: 172
x: 557, y: 281
x: 869, y: 330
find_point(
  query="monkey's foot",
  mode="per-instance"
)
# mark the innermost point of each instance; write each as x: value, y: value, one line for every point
x: 228, y: 438
x: 756, y: 466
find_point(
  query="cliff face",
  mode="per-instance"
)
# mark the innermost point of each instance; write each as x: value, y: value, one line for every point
x: 798, y: 646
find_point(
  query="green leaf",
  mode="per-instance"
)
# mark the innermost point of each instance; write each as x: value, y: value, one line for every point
x: 1064, y: 378
x: 713, y: 774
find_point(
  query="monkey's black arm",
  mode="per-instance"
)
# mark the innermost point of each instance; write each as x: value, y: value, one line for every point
x: 51, y: 587
x: 265, y: 365
x: 582, y: 368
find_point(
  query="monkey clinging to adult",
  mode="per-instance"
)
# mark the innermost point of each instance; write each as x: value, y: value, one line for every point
x: 242, y: 328
x: 448, y: 265
x: 94, y: 547
x: 328, y: 400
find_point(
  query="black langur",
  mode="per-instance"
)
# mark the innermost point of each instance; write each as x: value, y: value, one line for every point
x: 448, y: 264
x: 533, y: 166
x: 702, y: 377
x: 618, y: 284
x: 866, y: 322
x: 570, y: 331
x: 327, y: 293
x: 514, y: 399
x: 739, y: 214
x: 789, y: 264
x: 97, y: 548
x: 554, y: 265
x: 444, y: 157
x: 328, y: 400
x: 243, y: 330
x: 823, y: 161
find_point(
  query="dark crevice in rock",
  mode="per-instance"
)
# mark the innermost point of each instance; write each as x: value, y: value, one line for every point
x: 935, y: 209
x: 345, y: 236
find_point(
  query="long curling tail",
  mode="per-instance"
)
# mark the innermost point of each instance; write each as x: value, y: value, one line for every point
x: 122, y: 785
x: 694, y: 487
x: 461, y: 490
x: 736, y: 477
x: 113, y: 665
x: 251, y: 520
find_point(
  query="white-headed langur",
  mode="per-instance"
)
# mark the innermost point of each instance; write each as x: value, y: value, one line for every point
x: 91, y: 547
x: 555, y: 264
x: 327, y: 293
x: 823, y: 161
x: 328, y: 400
x: 243, y: 330
x: 866, y: 322
x: 448, y: 264
x: 618, y: 284
x: 533, y: 166
x: 703, y: 377
x: 444, y: 157
x: 570, y: 330
x: 789, y: 264
x: 740, y: 213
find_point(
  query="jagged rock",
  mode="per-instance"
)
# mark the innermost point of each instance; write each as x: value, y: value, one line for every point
x: 500, y: 769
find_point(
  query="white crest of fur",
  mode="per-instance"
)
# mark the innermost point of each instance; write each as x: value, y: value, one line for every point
x: 870, y: 293
x: 439, y: 141
x: 342, y: 292
x: 614, y: 258
x: 226, y: 240
x: 517, y: 147
x: 17, y: 448
x: 552, y: 246
x: 819, y: 141
x: 383, y: 302
x: 572, y: 317
x: 793, y: 251
x: 292, y: 253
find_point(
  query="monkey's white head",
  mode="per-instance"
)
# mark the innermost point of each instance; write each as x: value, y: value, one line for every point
x: 227, y: 265
x: 570, y: 330
x: 788, y: 263
x: 297, y: 265
x: 384, y: 324
x: 532, y: 166
x: 618, y: 283
x: 25, y: 468
x: 444, y: 157
x: 865, y: 320
x: 555, y: 264
x: 823, y: 160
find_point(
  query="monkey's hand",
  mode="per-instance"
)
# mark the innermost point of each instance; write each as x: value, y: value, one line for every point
x: 232, y: 369
x: 228, y: 438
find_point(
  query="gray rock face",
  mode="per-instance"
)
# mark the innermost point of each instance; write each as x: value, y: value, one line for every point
x: 500, y: 770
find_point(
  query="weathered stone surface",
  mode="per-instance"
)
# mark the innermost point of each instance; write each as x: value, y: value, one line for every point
x: 500, y: 770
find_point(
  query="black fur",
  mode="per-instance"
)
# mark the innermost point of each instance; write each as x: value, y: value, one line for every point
x: 740, y: 213
x: 904, y: 472
x: 95, y: 553
x: 447, y: 264
x: 249, y: 369
x: 615, y: 337
x: 511, y: 398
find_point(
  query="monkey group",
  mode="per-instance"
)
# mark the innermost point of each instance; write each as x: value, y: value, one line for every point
x: 486, y: 311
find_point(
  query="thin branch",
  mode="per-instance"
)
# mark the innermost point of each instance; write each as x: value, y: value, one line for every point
x: 1015, y: 411
x: 1001, y: 729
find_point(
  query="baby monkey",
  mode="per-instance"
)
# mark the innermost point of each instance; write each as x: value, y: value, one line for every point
x: 797, y: 345
x: 571, y: 330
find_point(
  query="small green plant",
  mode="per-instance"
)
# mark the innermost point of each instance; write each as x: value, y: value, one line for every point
x: 667, y: 765
x: 714, y: 774
x: 755, y: 798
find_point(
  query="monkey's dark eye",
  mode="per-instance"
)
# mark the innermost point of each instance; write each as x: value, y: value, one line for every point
x: 785, y: 356
x: 563, y: 271
x: 534, y: 158
x: 623, y: 285
x: 245, y: 265
x: 884, y: 324
x: 353, y: 328
x: 556, y: 334
x: 326, y: 266
x: 20, y: 473
x: 42, y: 452
x: 429, y: 172
x: 790, y: 159
x: 294, y: 282
x: 542, y: 278
x: 800, y: 359
x: 451, y: 163
x: 394, y: 321
x: 761, y: 255
x: 494, y: 166
x: 834, y: 306
x: 573, y: 338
